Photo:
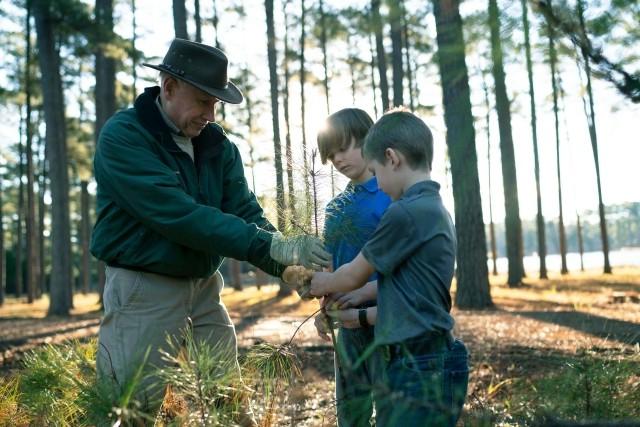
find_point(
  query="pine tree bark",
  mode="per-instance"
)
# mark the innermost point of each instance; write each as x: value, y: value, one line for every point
x: 287, y: 121
x: 42, y: 188
x: 20, y: 216
x: 373, y: 75
x: 407, y: 57
x: 303, y: 102
x: 2, y: 254
x: 49, y: 59
x: 554, y: 88
x: 492, y: 231
x: 180, y: 19
x: 395, y: 21
x: 380, y: 53
x: 275, y: 119
x: 85, y: 235
x: 323, y: 47
x: 591, y: 118
x: 198, y: 21
x: 472, y: 278
x: 542, y: 242
x: 509, y: 178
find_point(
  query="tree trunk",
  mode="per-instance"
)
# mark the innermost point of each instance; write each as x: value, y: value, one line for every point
x: 49, y: 58
x: 198, y: 21
x: 395, y: 21
x: 287, y: 121
x: 591, y: 118
x: 382, y: 58
x: 472, y: 278
x: 2, y: 254
x: 42, y: 187
x: 580, y: 242
x: 509, y: 178
x: 373, y: 76
x: 492, y: 231
x: 85, y: 235
x: 275, y: 120
x: 32, y: 253
x: 235, y: 271
x: 323, y: 47
x: 180, y: 19
x: 407, y: 56
x: 20, y: 210
x: 554, y: 88
x: 542, y: 243
x: 303, y: 78
x: 134, y: 52
x: 351, y: 61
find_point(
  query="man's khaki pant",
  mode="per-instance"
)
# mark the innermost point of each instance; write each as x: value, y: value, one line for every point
x: 141, y: 310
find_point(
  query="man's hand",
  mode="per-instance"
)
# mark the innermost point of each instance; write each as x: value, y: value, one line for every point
x: 304, y: 250
x: 299, y: 278
x: 321, y: 322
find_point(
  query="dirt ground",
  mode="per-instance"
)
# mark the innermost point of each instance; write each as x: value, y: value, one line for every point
x: 528, y: 331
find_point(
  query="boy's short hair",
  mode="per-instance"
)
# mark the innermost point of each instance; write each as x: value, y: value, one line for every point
x: 403, y: 131
x: 340, y: 129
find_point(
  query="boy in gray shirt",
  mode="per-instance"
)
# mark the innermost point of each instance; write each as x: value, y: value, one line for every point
x: 413, y: 250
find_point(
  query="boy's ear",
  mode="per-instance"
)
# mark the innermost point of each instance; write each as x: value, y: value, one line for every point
x: 392, y: 156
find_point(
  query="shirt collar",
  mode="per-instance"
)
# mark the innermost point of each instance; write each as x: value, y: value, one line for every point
x: 422, y: 187
x: 174, y: 129
x: 371, y: 185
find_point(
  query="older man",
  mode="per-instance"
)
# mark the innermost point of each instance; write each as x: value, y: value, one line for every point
x: 172, y: 201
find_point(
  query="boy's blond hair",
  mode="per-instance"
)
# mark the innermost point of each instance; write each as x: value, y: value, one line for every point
x: 340, y: 129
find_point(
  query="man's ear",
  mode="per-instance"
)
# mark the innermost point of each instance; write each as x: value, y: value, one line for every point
x: 169, y: 86
x: 392, y: 156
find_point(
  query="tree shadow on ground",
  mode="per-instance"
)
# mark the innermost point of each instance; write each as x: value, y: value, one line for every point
x: 599, y: 326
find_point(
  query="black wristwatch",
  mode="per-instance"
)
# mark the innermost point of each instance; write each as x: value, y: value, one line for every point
x: 362, y: 317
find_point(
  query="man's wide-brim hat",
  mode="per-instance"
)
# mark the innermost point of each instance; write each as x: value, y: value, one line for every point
x: 202, y: 66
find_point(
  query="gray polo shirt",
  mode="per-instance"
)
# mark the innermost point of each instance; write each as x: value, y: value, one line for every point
x: 414, y: 251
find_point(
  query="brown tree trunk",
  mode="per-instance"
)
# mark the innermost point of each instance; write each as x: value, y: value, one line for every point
x: 235, y: 270
x: 303, y: 101
x: 373, y: 76
x: 540, y: 227
x: 554, y: 87
x: 407, y: 56
x: 591, y: 118
x: 19, y: 209
x: 513, y: 225
x: 287, y: 122
x: 32, y: 253
x: 85, y: 235
x: 2, y: 254
x: 275, y: 120
x: 180, y: 19
x: 196, y: 6
x: 492, y: 231
x: 380, y: 53
x: 42, y: 187
x: 395, y: 21
x: 472, y: 276
x: 49, y: 58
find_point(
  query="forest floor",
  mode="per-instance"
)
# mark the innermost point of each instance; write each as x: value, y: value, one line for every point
x: 569, y: 345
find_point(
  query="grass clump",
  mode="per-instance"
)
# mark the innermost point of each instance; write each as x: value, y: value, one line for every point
x: 11, y: 412
x: 590, y: 386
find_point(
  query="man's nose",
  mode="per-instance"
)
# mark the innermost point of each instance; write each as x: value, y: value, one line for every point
x: 210, y: 113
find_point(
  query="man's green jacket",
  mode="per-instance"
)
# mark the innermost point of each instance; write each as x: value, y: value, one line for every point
x: 162, y: 212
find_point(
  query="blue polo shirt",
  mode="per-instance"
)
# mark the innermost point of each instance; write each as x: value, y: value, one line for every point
x: 351, y: 218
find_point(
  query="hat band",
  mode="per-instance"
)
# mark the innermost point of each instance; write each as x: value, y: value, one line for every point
x: 180, y: 72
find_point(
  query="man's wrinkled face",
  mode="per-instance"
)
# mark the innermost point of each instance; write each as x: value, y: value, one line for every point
x: 188, y: 107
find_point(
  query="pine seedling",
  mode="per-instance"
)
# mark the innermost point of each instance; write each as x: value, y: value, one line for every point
x: 207, y: 378
x: 48, y: 385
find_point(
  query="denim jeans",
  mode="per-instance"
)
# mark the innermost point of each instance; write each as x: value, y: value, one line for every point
x: 354, y: 386
x: 424, y: 389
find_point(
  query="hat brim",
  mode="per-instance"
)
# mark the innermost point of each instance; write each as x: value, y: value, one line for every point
x: 231, y: 94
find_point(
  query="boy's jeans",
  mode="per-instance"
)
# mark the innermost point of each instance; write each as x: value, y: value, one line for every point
x: 354, y: 386
x: 424, y: 389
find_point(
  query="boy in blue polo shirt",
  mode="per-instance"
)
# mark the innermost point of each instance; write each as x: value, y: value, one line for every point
x: 413, y: 250
x: 350, y: 220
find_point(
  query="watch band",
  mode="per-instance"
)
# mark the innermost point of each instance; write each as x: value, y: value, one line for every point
x: 362, y: 317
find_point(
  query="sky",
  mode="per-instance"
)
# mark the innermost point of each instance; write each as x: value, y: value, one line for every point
x: 617, y: 119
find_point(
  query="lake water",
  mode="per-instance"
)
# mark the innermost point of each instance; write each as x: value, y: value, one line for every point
x: 592, y: 260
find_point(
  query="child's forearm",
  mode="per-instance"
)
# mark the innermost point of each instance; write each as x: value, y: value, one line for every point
x: 369, y: 291
x: 345, y: 279
x: 372, y: 315
x: 348, y: 277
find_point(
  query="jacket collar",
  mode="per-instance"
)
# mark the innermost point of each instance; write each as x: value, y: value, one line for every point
x: 205, y: 146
